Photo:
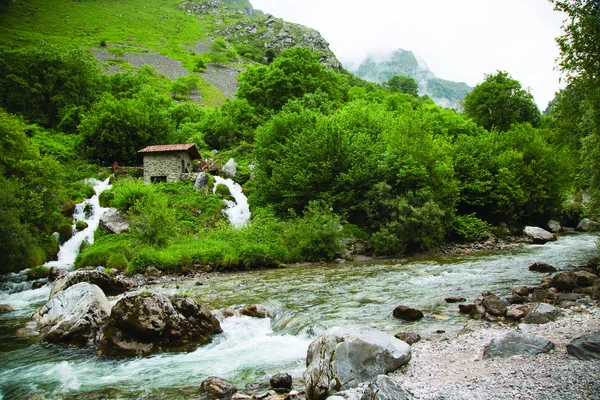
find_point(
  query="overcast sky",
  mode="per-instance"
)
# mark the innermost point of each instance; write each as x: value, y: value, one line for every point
x: 461, y: 40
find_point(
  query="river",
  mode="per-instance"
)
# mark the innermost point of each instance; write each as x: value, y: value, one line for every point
x: 305, y: 301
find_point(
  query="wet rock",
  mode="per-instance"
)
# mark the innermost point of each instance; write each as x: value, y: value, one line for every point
x: 517, y: 343
x: 38, y: 284
x: 256, y: 311
x: 4, y: 308
x: 140, y: 325
x: 542, y: 267
x: 455, y: 299
x: 522, y: 291
x: 56, y: 273
x: 109, y: 285
x: 408, y: 337
x: 584, y: 278
x: 587, y: 225
x: 343, y: 357
x: 554, y: 226
x: 586, y: 347
x: 515, y: 313
x: 75, y: 315
x: 539, y: 295
x: 478, y: 312
x: 407, y: 313
x: 596, y: 290
x: 466, y: 308
x: 493, y: 305
x: 152, y: 272
x: 517, y: 299
x: 114, y: 221
x: 281, y: 380
x: 538, y: 235
x: 383, y: 387
x: 541, y: 313
x: 564, y: 281
x: 219, y: 388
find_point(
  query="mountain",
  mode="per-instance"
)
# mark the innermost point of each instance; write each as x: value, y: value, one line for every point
x: 379, y: 69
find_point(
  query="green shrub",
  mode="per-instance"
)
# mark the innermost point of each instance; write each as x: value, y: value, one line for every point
x: 38, y: 272
x: 470, y: 228
x: 104, y: 247
x: 153, y: 220
x: 106, y: 197
x: 128, y: 192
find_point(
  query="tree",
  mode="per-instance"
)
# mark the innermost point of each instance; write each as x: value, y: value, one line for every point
x: 402, y: 84
x: 294, y: 73
x: 499, y: 102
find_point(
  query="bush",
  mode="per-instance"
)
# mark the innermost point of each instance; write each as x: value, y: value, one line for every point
x: 127, y: 193
x: 470, y: 228
x: 117, y: 261
x: 153, y: 220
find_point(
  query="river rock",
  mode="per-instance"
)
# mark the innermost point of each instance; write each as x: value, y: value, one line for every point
x: 455, y: 300
x: 56, y: 273
x: 521, y: 291
x: 541, y: 313
x: 407, y: 313
x: 586, y: 347
x: 143, y: 324
x: 494, y: 306
x: 343, y: 357
x: 539, y: 295
x: 256, y: 311
x: 554, y: 226
x: 152, y: 272
x: 408, y: 337
x: 114, y: 221
x: 517, y: 343
x: 587, y: 225
x: 4, y: 308
x: 219, y: 388
x: 517, y: 299
x: 383, y: 387
x: 561, y: 298
x: 111, y: 286
x: 74, y: 315
x: 564, y: 281
x: 538, y: 235
x: 584, y: 278
x: 542, y: 267
x: 516, y: 313
x: 281, y: 380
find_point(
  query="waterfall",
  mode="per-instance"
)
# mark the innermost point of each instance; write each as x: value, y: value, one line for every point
x: 88, y: 211
x: 238, y: 211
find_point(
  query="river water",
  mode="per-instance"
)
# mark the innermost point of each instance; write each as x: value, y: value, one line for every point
x: 305, y: 300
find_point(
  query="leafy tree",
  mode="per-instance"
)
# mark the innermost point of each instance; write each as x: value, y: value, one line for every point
x: 499, y: 102
x: 294, y: 73
x: 402, y: 84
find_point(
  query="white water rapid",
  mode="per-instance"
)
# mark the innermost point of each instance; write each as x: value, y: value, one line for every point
x: 88, y: 211
x: 238, y: 211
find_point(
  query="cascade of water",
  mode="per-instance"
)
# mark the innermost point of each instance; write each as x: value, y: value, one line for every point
x: 88, y: 211
x: 238, y: 211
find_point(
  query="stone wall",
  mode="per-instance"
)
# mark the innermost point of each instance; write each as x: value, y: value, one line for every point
x: 169, y: 165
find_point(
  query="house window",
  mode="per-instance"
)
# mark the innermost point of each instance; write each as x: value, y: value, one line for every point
x: 182, y: 165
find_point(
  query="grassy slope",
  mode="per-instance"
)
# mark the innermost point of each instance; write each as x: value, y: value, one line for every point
x: 137, y: 25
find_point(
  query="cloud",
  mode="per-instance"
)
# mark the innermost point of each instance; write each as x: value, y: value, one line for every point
x: 461, y: 40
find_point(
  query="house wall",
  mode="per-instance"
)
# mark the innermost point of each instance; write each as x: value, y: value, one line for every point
x: 166, y: 164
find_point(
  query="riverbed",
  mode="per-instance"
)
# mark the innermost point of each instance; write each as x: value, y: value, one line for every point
x: 304, y: 300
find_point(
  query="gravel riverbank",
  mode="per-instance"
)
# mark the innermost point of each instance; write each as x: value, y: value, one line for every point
x: 452, y: 367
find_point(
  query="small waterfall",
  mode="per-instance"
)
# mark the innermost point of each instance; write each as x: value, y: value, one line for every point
x: 238, y: 211
x: 88, y: 211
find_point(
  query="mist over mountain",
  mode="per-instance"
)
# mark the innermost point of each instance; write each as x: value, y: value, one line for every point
x: 380, y: 68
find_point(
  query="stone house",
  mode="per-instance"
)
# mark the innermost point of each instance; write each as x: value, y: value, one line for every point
x: 169, y: 162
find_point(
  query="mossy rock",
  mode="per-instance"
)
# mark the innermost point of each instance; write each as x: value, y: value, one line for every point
x: 81, y: 225
x: 67, y: 208
x: 38, y: 272
x: 65, y: 231
x: 223, y: 192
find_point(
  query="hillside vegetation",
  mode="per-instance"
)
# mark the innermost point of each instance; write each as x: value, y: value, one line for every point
x: 326, y: 158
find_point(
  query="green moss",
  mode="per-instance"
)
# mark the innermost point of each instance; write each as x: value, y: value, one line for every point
x: 81, y: 225
x: 117, y: 261
x: 223, y: 192
x: 65, y: 231
x: 38, y: 272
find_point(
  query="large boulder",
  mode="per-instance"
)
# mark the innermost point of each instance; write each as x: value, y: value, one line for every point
x: 111, y: 286
x: 587, y: 225
x: 586, y: 347
x: 541, y: 313
x: 517, y: 343
x: 383, y: 387
x: 144, y: 324
x: 114, y: 221
x: 75, y: 315
x: 538, y: 235
x: 343, y: 357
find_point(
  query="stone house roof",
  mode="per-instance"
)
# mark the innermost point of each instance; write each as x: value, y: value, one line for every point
x: 166, y: 148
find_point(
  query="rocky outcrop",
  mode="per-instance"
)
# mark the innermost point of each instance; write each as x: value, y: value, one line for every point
x: 538, y: 235
x: 218, y: 388
x: 541, y: 313
x: 114, y: 221
x: 587, y: 225
x: 342, y: 358
x: 407, y: 313
x: 517, y: 343
x: 383, y: 387
x: 109, y: 285
x: 586, y: 347
x: 140, y: 325
x: 75, y: 315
